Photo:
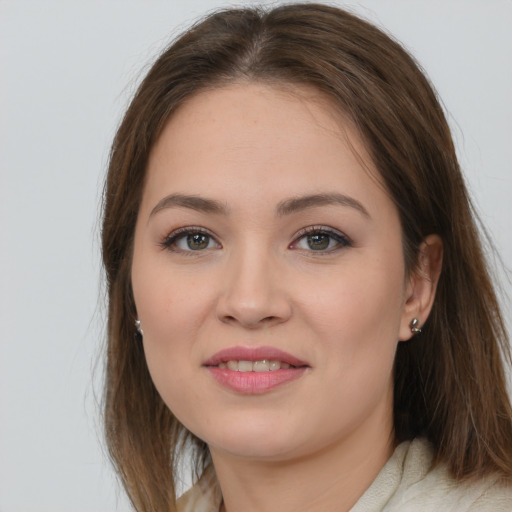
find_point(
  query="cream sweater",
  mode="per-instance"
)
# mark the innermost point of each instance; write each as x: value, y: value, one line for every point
x: 407, y: 483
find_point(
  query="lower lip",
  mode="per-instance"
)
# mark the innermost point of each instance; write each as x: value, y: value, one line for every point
x: 254, y: 383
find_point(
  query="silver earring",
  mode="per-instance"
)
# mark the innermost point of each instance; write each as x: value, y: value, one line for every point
x: 139, y: 327
x: 414, y: 326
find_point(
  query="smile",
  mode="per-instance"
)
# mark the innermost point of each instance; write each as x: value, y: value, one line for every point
x: 254, y: 370
x: 265, y: 365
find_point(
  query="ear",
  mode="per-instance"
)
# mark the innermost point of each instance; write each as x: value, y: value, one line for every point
x: 420, y: 289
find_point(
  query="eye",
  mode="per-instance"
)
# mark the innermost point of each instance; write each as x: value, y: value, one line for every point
x: 189, y: 240
x: 320, y: 239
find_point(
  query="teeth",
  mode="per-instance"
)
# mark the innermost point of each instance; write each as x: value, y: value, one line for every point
x: 245, y: 366
x: 261, y: 366
x: 265, y: 365
x: 275, y: 365
x: 233, y: 365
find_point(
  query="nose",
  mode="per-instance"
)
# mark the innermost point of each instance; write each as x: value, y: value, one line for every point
x: 254, y: 292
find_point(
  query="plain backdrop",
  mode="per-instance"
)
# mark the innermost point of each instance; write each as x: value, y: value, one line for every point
x: 67, y: 70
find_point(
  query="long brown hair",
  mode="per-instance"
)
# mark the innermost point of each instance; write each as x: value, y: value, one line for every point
x: 450, y: 382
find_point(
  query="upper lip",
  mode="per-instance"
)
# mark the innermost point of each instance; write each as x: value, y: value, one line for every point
x: 241, y: 353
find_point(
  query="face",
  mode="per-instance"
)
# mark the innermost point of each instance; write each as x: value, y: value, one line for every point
x: 268, y: 274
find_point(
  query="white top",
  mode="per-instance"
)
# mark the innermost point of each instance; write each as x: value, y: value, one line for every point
x: 407, y: 483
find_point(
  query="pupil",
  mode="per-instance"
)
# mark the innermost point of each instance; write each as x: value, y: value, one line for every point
x: 318, y: 242
x: 197, y: 241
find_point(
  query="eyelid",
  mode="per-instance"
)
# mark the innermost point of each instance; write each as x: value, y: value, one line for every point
x: 342, y: 239
x: 170, y: 239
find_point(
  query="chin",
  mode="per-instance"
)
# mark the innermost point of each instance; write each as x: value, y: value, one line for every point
x: 250, y: 438
x: 262, y: 449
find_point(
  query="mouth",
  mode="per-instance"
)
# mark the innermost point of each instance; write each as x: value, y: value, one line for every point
x: 264, y: 365
x: 254, y: 370
x: 254, y: 359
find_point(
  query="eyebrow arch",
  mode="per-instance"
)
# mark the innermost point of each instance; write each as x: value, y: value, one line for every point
x: 296, y: 204
x: 286, y: 207
x: 200, y: 204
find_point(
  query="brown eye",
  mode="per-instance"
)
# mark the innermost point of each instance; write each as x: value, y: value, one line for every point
x: 197, y: 241
x: 318, y: 242
x: 321, y: 240
x: 190, y: 240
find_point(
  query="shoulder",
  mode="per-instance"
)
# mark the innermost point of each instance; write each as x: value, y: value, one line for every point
x: 410, y: 481
x: 432, y: 489
x: 495, y: 498
x: 204, y: 496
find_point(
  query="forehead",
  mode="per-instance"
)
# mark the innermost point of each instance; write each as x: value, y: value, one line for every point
x: 247, y: 112
x: 256, y: 139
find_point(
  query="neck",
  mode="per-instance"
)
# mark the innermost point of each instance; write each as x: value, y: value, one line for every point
x: 331, y: 479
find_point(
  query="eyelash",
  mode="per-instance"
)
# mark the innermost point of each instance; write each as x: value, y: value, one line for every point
x: 170, y: 240
x: 342, y: 240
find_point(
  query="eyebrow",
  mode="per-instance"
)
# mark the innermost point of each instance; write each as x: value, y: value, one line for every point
x: 296, y: 204
x: 286, y: 207
x: 200, y: 204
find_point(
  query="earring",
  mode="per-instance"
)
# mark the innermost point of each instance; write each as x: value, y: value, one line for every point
x: 139, y: 327
x: 414, y: 326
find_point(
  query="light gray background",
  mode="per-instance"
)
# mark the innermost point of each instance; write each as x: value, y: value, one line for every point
x: 67, y: 71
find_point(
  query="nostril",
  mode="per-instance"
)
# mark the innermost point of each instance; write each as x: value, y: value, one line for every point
x: 250, y: 324
x: 252, y: 311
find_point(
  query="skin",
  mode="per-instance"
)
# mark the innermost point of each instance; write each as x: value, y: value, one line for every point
x: 318, y: 442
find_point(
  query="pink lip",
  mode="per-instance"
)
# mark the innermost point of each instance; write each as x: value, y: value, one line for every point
x: 254, y: 383
x: 253, y: 354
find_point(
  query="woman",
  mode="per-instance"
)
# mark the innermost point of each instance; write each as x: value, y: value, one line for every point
x: 297, y: 291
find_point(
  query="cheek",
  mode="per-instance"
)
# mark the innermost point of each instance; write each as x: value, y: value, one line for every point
x: 357, y: 313
x: 357, y: 324
x: 363, y: 297
x: 173, y: 316
x: 169, y: 301
x: 172, y: 307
